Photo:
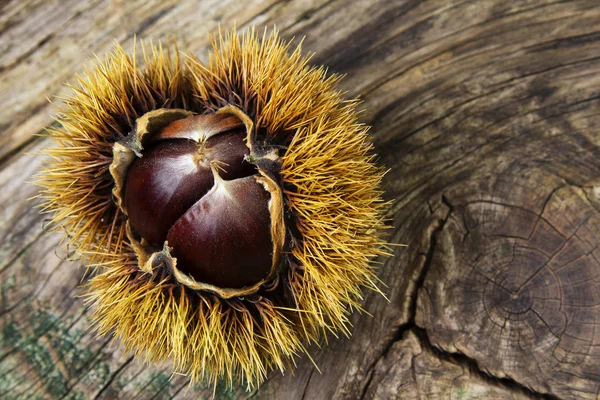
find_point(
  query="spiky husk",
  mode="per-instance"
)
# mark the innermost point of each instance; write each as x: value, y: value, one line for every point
x: 331, y: 185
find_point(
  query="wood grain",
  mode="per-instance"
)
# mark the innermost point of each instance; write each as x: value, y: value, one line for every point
x: 486, y: 114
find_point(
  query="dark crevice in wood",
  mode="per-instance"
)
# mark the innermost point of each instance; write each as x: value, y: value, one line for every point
x: 28, y: 53
x: 307, y: 384
x: 403, y: 328
x: 542, y: 71
x: 429, y: 256
x: 21, y: 394
x: 398, y: 335
x: 159, y: 393
x: 26, y: 246
x: 81, y: 315
x: 459, y: 358
x: 569, y: 41
x: 244, y: 24
x: 152, y: 19
x: 368, y: 380
x: 113, y: 376
x: 455, y: 358
x: 32, y: 294
x: 178, y: 390
x: 308, y: 14
x: 146, y: 385
x: 265, y: 11
x: 85, y: 369
x: 473, y: 367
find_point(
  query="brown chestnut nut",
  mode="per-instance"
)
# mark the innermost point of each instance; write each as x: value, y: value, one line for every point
x: 224, y: 239
x: 191, y: 188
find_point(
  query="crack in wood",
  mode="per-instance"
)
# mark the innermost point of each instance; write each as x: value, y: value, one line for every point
x: 402, y: 329
x: 113, y: 377
x: 178, y: 390
x: 472, y: 365
x: 307, y: 15
x: 455, y: 358
x: 307, y: 384
x: 85, y: 369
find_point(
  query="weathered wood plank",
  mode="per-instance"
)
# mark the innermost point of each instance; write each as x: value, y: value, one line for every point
x: 486, y: 114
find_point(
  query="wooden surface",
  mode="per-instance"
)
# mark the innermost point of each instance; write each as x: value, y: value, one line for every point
x: 485, y: 112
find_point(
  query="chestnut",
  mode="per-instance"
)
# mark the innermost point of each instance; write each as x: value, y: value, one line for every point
x: 187, y: 187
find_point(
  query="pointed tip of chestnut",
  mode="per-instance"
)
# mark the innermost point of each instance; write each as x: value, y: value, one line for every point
x: 217, y: 222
